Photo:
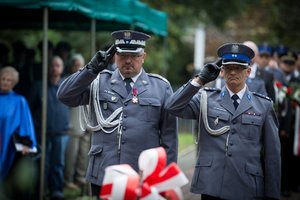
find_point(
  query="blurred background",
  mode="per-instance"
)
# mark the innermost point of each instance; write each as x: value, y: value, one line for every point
x: 172, y: 53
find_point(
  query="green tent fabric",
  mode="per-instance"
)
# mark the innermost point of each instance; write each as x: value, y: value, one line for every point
x: 110, y: 15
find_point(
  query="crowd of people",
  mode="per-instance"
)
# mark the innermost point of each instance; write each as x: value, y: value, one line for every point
x: 67, y: 145
x: 115, y: 78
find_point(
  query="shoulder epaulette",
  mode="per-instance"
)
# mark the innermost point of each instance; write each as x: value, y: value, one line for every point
x: 262, y: 96
x: 106, y: 71
x: 212, y: 89
x: 159, y: 77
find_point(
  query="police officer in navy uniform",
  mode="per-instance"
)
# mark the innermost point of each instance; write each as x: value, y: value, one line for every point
x: 239, y: 154
x: 126, y: 112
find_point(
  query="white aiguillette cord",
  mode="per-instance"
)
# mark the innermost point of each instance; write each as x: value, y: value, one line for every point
x: 203, y: 112
x: 108, y: 125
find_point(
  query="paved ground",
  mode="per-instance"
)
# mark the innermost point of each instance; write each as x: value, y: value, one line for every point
x: 186, y: 161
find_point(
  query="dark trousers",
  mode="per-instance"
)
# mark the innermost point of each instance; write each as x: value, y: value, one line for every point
x: 95, y: 190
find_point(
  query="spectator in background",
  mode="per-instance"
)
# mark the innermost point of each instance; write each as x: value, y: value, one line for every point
x: 279, y: 51
x: 58, y: 119
x: 79, y: 142
x: 264, y: 60
x: 259, y: 72
x: 290, y: 163
x: 63, y: 50
x: 38, y: 69
x: 16, y: 125
x: 297, y: 70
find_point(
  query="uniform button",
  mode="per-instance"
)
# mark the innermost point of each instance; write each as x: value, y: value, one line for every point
x: 229, y: 154
x: 124, y: 128
x: 230, y: 143
x: 125, y: 116
x: 123, y: 141
x: 233, y: 131
x: 234, y: 121
x: 125, y: 104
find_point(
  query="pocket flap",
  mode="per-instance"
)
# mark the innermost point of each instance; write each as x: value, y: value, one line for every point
x: 218, y: 114
x: 149, y: 102
x: 251, y: 119
x: 95, y: 149
x: 204, y: 162
x: 108, y: 97
x: 254, y: 170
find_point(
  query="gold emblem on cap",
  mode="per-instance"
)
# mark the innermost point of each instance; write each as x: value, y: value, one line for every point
x: 235, y: 48
x: 127, y: 35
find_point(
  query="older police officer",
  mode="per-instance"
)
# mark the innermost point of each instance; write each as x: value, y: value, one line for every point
x: 125, y: 107
x: 239, y: 154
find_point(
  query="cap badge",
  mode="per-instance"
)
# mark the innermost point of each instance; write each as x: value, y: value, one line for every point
x: 235, y: 48
x: 127, y: 35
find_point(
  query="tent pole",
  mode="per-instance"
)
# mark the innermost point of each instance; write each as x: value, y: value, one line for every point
x: 93, y: 37
x: 44, y: 101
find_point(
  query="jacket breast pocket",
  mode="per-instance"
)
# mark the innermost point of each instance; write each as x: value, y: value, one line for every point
x: 252, y: 125
x: 108, y: 103
x: 217, y: 118
x: 150, y: 109
x: 95, y: 161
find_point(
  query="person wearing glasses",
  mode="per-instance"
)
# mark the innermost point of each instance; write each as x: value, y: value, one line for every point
x: 124, y: 108
x: 239, y: 146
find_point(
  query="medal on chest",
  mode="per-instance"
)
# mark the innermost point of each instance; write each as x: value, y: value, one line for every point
x: 134, y: 95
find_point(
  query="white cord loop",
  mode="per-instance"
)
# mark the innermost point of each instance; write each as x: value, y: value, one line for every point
x: 91, y: 117
x: 203, y: 112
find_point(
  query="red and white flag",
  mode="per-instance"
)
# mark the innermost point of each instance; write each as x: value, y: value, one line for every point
x: 156, y: 181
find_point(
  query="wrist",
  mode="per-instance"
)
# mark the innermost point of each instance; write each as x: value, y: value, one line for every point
x: 197, y: 81
x: 90, y: 67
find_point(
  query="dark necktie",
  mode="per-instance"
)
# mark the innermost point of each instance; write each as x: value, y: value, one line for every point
x: 128, y: 86
x: 235, y: 97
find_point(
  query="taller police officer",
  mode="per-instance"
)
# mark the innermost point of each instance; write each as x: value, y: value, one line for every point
x: 125, y: 107
x: 239, y: 154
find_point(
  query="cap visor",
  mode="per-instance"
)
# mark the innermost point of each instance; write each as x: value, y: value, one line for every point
x: 235, y: 63
x: 138, y: 50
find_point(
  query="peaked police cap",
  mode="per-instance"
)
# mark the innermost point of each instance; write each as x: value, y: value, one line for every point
x: 235, y: 53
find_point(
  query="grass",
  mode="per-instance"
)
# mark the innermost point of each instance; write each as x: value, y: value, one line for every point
x: 185, y: 140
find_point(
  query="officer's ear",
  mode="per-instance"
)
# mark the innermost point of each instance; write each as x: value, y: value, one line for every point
x: 144, y: 57
x: 248, y: 71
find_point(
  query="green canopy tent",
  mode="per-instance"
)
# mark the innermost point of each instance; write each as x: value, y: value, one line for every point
x: 76, y: 14
x: 93, y: 15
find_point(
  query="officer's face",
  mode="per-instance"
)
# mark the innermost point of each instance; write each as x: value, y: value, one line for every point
x: 235, y: 76
x: 129, y: 64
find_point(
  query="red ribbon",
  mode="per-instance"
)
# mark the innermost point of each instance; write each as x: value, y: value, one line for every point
x: 155, y: 182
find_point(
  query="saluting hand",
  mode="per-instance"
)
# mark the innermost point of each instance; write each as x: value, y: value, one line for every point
x: 101, y: 59
x: 210, y: 71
